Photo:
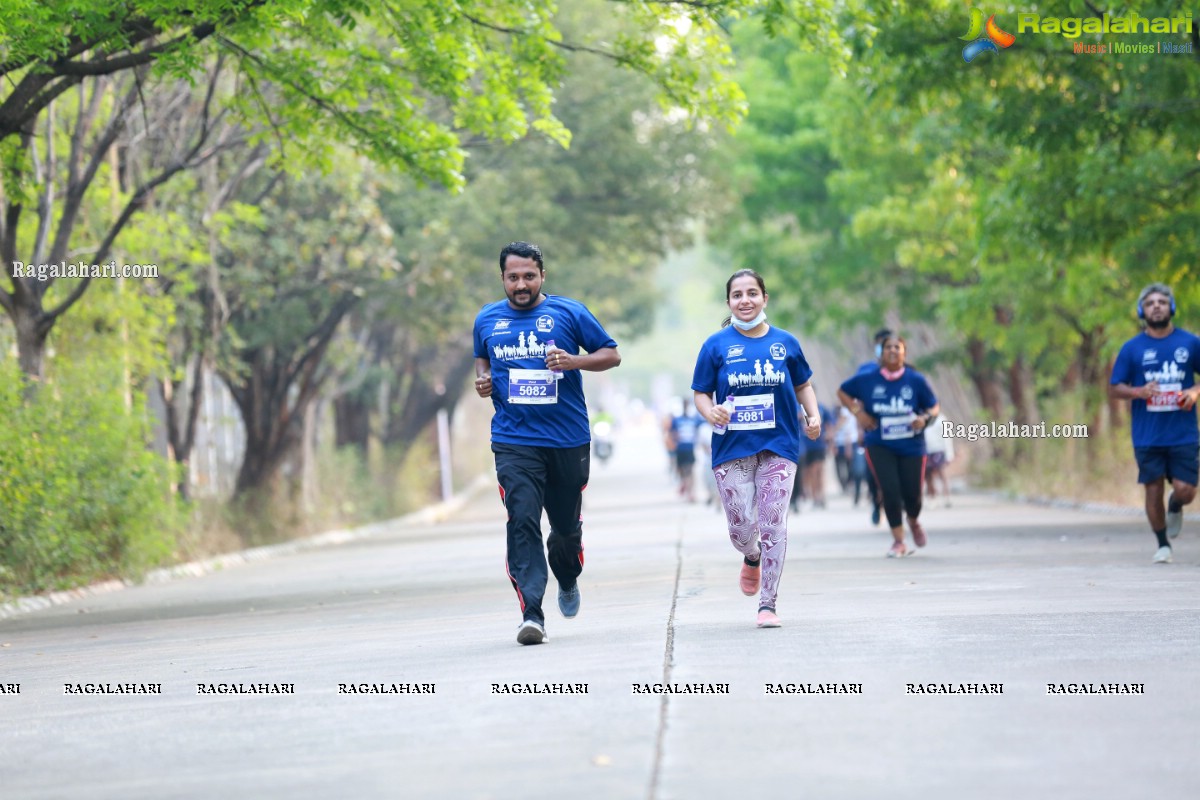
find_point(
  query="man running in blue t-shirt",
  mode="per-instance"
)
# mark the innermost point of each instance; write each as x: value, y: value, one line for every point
x: 528, y: 360
x: 683, y: 431
x: 1156, y: 370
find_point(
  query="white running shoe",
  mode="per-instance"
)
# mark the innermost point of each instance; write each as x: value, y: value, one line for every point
x: 1162, y: 555
x: 533, y: 632
x: 1174, y: 523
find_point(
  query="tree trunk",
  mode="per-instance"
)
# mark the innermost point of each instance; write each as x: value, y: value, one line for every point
x: 352, y: 421
x: 1116, y: 408
x: 270, y: 439
x: 31, y: 343
x: 983, y: 377
x: 309, y: 488
x: 1020, y: 391
x: 425, y: 395
x: 181, y: 425
x: 280, y: 385
x: 1094, y: 372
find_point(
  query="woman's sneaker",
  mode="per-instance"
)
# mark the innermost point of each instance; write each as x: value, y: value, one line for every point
x: 1162, y: 555
x: 898, y: 550
x: 767, y: 619
x: 750, y: 578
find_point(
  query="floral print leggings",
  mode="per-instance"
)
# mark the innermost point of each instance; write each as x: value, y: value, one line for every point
x: 755, y: 492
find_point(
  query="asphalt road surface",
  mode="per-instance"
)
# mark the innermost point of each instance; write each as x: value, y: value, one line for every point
x: 957, y: 673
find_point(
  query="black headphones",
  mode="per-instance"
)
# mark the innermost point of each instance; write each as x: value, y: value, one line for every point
x: 1155, y: 288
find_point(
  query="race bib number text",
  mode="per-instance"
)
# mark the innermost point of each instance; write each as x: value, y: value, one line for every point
x: 752, y: 412
x: 1167, y: 398
x: 532, y: 387
x: 896, y: 427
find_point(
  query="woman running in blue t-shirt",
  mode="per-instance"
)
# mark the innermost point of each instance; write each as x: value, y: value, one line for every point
x: 760, y: 379
x: 893, y: 404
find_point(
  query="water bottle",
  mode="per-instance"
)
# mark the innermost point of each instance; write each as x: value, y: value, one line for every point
x: 728, y: 405
x: 557, y: 373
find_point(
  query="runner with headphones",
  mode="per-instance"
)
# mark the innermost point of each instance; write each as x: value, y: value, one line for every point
x: 1156, y: 370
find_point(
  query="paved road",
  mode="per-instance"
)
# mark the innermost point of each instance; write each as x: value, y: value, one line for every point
x: 1004, y: 594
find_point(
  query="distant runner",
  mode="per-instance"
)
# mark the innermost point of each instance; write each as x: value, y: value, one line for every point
x: 876, y: 496
x: 1156, y: 370
x: 893, y: 405
x: 684, y: 429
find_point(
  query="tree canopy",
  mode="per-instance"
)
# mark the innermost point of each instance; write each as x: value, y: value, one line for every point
x: 1019, y: 201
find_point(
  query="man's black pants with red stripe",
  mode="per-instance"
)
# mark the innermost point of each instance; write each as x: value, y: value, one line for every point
x: 533, y: 478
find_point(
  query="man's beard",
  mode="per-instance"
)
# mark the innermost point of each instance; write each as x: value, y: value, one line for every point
x: 1159, y: 325
x: 523, y: 300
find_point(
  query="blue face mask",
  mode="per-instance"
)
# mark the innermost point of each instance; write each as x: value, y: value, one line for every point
x: 754, y: 323
x: 878, y: 351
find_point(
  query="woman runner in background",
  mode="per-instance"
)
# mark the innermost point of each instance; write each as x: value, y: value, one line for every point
x: 893, y: 405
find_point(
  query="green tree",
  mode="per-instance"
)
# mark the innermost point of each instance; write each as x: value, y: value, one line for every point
x: 405, y: 84
x: 1019, y: 200
x: 605, y: 211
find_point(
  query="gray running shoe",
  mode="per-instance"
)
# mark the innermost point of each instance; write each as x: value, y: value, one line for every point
x: 1162, y: 555
x: 1174, y: 523
x: 568, y: 601
x: 532, y: 632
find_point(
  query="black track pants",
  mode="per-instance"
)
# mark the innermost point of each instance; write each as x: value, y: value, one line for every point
x: 900, y: 478
x: 533, y: 478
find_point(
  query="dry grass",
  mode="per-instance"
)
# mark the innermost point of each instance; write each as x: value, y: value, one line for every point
x: 1098, y: 469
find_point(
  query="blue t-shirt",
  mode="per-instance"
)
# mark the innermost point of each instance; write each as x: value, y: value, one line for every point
x: 684, y: 427
x: 893, y: 405
x: 532, y: 407
x: 762, y: 374
x: 1172, y: 361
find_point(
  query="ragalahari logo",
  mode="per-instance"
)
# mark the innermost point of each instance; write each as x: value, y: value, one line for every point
x: 984, y: 37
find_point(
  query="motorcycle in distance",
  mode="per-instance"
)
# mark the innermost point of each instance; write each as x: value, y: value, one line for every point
x: 602, y: 443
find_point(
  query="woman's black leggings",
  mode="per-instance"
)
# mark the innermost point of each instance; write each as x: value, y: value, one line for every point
x: 900, y: 478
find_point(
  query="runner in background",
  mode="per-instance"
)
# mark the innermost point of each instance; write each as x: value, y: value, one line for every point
x: 939, y: 453
x: 893, y: 405
x: 1156, y: 370
x: 683, y: 433
x: 674, y: 409
x: 876, y: 496
x: 815, y: 451
x: 704, y: 436
x: 845, y: 439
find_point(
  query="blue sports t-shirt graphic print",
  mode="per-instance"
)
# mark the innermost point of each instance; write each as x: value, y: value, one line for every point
x: 893, y: 404
x: 532, y: 406
x: 762, y: 375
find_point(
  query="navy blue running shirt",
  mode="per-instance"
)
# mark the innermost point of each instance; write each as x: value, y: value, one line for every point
x: 762, y: 374
x: 533, y: 406
x: 894, y: 405
x: 1172, y: 361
